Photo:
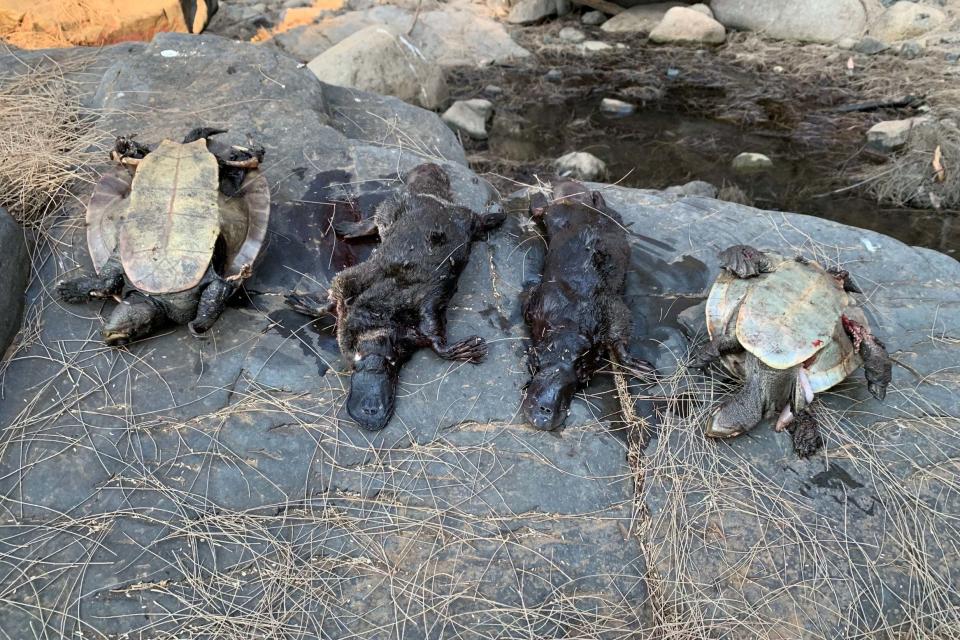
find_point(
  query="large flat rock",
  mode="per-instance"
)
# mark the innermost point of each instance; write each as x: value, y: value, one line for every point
x: 214, y: 488
x: 188, y: 488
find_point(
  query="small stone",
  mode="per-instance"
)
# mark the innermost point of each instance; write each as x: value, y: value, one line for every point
x: 695, y: 188
x: 593, y: 18
x: 911, y: 50
x: 869, y: 46
x: 616, y: 107
x: 554, y: 75
x: 581, y: 166
x: 493, y: 90
x: 752, y: 162
x: 702, y: 8
x: 682, y: 25
x: 847, y: 43
x: 533, y: 11
x: 778, y: 69
x: 673, y: 73
x: 952, y: 57
x: 469, y: 117
x: 570, y: 34
x: 593, y: 46
x: 639, y: 19
x: 890, y: 135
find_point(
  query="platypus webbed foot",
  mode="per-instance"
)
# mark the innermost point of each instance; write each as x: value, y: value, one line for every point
x: 473, y: 349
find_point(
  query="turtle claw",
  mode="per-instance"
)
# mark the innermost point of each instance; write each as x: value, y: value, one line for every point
x: 744, y: 261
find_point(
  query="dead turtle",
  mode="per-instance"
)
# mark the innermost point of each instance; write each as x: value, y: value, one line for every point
x: 789, y: 328
x: 176, y: 230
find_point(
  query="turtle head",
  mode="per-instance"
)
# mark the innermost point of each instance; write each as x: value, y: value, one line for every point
x: 134, y: 318
x: 559, y: 369
x: 373, y: 385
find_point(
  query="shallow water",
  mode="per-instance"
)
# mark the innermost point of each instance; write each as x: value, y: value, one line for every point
x: 656, y: 149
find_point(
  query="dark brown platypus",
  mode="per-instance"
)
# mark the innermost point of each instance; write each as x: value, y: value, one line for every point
x: 576, y: 312
x: 395, y: 302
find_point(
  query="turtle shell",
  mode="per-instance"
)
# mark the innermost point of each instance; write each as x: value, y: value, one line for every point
x: 183, y: 232
x: 789, y: 316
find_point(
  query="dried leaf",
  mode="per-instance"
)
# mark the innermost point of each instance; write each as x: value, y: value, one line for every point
x: 939, y: 172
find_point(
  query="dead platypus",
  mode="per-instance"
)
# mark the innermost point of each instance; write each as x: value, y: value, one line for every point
x: 395, y: 302
x: 576, y: 312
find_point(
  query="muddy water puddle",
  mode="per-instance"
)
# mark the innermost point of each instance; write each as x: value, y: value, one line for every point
x: 688, y: 124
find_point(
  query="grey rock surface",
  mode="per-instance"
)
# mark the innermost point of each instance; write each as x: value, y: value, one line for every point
x: 202, y: 488
x: 187, y: 488
x: 470, y: 117
x: 15, y: 267
x: 810, y: 21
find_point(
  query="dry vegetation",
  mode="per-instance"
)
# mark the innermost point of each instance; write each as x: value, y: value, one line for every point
x: 47, y: 139
x: 734, y: 551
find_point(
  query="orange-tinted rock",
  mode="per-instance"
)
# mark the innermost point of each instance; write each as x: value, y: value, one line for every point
x: 35, y: 24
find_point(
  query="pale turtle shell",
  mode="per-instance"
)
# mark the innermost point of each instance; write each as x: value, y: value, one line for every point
x: 241, y: 221
x: 787, y: 317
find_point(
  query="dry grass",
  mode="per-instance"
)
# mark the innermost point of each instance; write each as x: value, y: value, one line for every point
x: 911, y: 179
x: 47, y: 139
x: 734, y: 551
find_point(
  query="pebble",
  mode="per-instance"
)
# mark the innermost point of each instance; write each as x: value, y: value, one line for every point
x: 616, y: 107
x: 870, y: 46
x: 554, y: 75
x: 593, y: 18
x: 581, y: 165
x: 569, y: 34
x: 749, y: 162
x: 911, y: 49
x: 592, y: 46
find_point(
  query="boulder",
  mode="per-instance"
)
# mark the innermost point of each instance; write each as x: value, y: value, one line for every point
x: 385, y: 61
x: 905, y: 20
x: 37, y: 24
x: 450, y: 38
x: 15, y: 267
x: 470, y: 117
x: 639, y: 19
x: 581, y: 166
x: 533, y: 11
x: 809, y: 21
x: 681, y: 25
x: 890, y: 135
x: 221, y: 476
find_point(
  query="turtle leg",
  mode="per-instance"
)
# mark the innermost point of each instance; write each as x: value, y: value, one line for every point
x: 213, y: 300
x: 877, y: 365
x: 618, y: 336
x: 712, y: 351
x: 805, y: 431
x: 201, y: 133
x: 845, y: 279
x: 764, y: 389
x: 106, y: 284
x: 128, y: 151
x: 311, y: 304
x: 137, y: 316
x: 744, y: 261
